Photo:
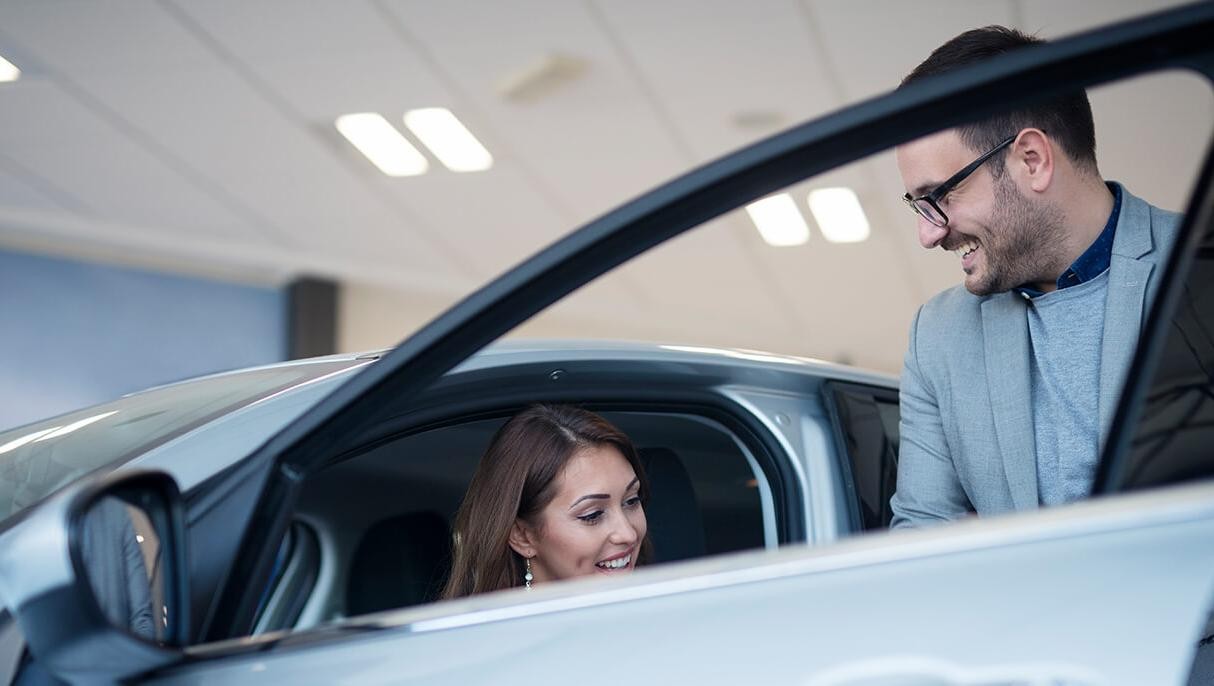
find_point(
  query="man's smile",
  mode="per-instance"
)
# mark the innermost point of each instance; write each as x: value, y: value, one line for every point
x: 968, y: 252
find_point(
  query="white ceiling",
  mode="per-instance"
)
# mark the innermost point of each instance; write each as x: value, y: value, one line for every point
x: 198, y: 135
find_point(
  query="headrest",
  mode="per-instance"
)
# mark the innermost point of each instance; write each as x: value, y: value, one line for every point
x: 676, y: 526
x: 400, y: 561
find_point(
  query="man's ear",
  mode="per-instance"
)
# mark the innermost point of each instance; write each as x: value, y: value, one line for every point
x: 522, y: 539
x: 1032, y: 158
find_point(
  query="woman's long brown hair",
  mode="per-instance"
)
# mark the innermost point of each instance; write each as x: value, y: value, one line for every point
x: 516, y: 479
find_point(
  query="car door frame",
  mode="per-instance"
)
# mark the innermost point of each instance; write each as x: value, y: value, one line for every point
x: 1173, y: 39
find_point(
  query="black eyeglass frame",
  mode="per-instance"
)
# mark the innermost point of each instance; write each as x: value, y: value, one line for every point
x: 933, y: 196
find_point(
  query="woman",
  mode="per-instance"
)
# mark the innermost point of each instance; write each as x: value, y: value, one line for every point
x: 559, y: 493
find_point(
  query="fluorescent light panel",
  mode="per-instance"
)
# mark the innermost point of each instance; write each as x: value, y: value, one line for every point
x: 839, y: 215
x: 778, y: 221
x: 8, y: 71
x: 450, y: 141
x: 381, y: 143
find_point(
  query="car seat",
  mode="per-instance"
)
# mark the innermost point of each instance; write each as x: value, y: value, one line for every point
x: 400, y: 561
x: 676, y: 526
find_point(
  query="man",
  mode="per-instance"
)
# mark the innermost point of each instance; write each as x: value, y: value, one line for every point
x: 1011, y: 381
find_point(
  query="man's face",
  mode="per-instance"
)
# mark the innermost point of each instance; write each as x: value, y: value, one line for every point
x: 998, y: 235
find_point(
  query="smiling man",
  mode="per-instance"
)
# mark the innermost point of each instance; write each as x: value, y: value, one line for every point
x: 1010, y: 381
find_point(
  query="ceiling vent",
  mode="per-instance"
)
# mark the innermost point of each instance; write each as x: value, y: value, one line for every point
x: 541, y: 78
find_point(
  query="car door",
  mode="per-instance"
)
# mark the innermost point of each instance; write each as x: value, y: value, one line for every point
x: 1074, y: 596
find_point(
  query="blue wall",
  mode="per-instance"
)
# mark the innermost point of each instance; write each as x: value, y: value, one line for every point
x: 75, y: 333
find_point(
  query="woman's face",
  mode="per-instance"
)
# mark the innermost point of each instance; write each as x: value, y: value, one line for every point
x: 594, y: 524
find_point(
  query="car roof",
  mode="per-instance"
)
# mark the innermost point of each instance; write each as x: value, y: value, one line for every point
x: 511, y: 352
x: 524, y: 351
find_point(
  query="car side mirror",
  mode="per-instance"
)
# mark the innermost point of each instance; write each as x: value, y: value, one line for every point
x: 96, y: 578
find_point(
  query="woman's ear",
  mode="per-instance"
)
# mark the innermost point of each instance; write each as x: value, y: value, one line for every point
x: 522, y: 539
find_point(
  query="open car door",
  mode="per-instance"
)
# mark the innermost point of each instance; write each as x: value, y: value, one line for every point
x: 1115, y: 590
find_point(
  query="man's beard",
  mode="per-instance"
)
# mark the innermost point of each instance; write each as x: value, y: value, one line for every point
x: 1022, y: 240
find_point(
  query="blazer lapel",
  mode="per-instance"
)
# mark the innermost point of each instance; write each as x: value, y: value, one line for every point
x: 1122, y: 321
x: 1129, y: 276
x: 1006, y: 352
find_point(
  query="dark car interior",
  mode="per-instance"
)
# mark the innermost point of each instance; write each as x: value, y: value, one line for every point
x: 373, y: 533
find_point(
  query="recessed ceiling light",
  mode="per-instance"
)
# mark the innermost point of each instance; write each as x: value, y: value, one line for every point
x: 778, y: 220
x: 839, y: 215
x: 381, y: 143
x: 8, y: 71
x: 447, y: 137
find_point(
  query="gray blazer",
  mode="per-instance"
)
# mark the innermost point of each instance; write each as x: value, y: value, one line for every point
x: 967, y: 439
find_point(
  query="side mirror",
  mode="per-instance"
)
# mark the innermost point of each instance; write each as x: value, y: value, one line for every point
x: 96, y: 578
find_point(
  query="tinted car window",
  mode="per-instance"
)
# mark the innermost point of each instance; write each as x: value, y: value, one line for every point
x: 867, y: 423
x: 36, y: 459
x: 1172, y: 439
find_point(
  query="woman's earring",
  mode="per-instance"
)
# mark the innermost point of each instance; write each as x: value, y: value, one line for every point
x: 527, y: 575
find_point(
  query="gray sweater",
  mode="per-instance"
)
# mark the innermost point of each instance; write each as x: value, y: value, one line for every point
x: 1065, y: 332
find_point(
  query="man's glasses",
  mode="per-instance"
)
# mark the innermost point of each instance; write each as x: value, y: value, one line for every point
x: 927, y: 205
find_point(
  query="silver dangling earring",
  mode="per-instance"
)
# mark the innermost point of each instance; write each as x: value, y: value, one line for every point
x: 527, y: 575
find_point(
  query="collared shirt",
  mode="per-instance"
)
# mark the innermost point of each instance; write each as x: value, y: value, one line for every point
x: 1094, y: 261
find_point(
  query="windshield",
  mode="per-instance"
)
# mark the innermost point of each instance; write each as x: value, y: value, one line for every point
x: 38, y: 459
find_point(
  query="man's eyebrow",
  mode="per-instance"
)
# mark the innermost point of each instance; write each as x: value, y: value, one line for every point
x: 925, y: 188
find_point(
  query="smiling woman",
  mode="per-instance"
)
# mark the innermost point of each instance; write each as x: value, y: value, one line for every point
x: 559, y: 493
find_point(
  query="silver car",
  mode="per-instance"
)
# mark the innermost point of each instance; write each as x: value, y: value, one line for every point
x: 292, y: 520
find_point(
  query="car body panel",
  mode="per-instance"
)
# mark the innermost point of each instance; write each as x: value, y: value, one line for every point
x: 996, y: 601
x: 203, y: 452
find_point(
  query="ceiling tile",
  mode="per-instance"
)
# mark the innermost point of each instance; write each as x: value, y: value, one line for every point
x: 333, y: 60
x: 21, y: 191
x: 53, y: 136
x: 1053, y: 19
x: 871, y: 45
x: 329, y: 59
x: 594, y: 143
x: 710, y: 63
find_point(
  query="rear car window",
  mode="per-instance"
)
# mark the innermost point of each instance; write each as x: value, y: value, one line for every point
x: 866, y: 422
x: 39, y: 458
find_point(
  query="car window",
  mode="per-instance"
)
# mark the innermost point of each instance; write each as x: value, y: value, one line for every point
x: 866, y: 420
x: 38, y: 458
x: 708, y: 495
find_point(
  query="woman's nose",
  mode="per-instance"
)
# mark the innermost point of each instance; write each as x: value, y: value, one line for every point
x: 930, y: 235
x: 623, y: 533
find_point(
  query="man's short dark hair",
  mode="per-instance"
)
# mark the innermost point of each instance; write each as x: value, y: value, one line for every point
x: 1066, y: 119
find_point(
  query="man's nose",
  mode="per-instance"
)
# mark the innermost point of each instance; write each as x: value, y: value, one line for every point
x: 930, y: 235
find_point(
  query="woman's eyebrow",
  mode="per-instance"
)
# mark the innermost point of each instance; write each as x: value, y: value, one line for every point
x: 591, y: 496
x: 603, y: 496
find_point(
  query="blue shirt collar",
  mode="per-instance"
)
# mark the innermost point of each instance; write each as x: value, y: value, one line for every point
x: 1094, y: 260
